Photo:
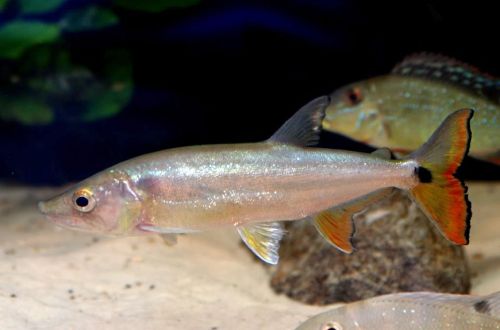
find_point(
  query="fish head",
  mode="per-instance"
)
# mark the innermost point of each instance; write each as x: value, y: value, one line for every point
x: 106, y: 203
x: 354, y: 112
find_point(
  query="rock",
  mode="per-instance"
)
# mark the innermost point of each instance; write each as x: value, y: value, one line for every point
x: 396, y: 249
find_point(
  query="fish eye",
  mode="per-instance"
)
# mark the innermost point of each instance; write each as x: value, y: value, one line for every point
x: 332, y: 326
x: 354, y: 96
x: 83, y: 200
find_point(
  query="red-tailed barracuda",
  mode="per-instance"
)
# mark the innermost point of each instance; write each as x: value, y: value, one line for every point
x: 253, y: 187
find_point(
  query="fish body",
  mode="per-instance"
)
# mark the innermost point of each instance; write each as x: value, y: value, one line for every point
x: 254, y: 186
x: 417, y: 310
x: 400, y: 110
x: 204, y: 187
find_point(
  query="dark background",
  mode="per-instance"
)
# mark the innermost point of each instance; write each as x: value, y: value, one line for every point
x: 234, y: 71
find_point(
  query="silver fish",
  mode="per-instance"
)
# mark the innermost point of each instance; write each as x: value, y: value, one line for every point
x: 253, y: 186
x: 416, y: 310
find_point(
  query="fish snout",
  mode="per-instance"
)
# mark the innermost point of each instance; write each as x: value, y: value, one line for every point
x: 50, y: 207
x: 42, y: 206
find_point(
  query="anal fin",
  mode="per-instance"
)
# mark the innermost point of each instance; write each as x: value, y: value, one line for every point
x: 336, y: 224
x: 263, y: 239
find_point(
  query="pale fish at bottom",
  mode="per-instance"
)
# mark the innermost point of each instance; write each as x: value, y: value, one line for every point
x: 415, y: 310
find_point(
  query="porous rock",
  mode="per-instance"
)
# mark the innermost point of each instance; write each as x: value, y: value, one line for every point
x: 396, y: 249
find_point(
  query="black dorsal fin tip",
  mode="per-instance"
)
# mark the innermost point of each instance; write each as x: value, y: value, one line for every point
x: 489, y: 304
x: 482, y: 306
x: 304, y: 127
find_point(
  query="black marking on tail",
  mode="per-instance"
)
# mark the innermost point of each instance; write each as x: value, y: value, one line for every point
x: 482, y: 306
x: 469, y: 210
x: 423, y: 174
x: 459, y: 176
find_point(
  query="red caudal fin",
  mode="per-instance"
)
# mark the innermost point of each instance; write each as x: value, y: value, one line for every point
x: 440, y: 194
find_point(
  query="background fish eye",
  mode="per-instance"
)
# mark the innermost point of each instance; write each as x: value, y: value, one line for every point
x: 354, y: 96
x: 83, y: 201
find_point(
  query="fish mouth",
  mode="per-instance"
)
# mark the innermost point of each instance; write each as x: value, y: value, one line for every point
x: 42, y: 206
x: 65, y: 223
x: 58, y: 220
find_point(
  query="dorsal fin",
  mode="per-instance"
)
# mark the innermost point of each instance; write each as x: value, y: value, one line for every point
x: 489, y: 304
x: 304, y: 127
x: 446, y: 69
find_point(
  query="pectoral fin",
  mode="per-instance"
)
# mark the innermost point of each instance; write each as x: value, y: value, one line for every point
x: 165, y: 230
x: 169, y: 239
x: 263, y: 239
x: 336, y: 224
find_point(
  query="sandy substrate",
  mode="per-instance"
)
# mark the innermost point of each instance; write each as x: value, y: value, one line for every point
x: 53, y: 278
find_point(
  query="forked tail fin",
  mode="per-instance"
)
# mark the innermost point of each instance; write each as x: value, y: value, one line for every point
x: 440, y: 194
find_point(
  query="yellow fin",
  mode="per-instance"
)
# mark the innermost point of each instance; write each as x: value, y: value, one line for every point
x: 263, y: 239
x: 336, y: 225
